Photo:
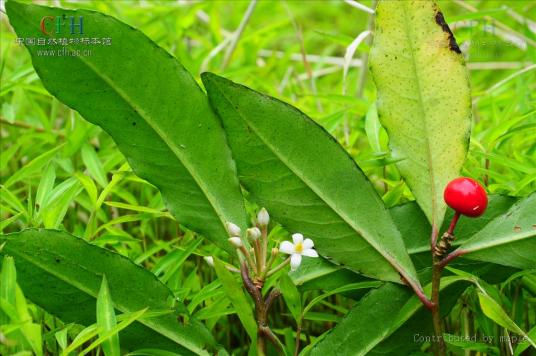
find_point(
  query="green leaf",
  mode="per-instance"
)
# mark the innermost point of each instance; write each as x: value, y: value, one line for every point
x: 522, y: 346
x: 494, y: 311
x: 238, y: 299
x: 508, y: 239
x: 106, y: 320
x: 63, y: 273
x: 14, y: 310
x: 57, y: 202
x: 159, y: 117
x: 308, y: 183
x: 424, y: 99
x: 89, y: 186
x: 8, y: 221
x: 312, y: 268
x: 94, y: 165
x: 12, y: 200
x: 292, y: 296
x: 8, y: 277
x: 373, y: 319
x: 46, y: 184
x: 32, y: 167
x: 460, y: 343
x: 415, y: 230
x: 373, y: 129
x: 171, y: 263
x: 345, y: 288
x: 129, y: 319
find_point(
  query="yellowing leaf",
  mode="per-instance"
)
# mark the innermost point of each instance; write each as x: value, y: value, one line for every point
x: 424, y: 99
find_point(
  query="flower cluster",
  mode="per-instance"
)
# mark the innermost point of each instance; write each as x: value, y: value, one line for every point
x: 256, y: 258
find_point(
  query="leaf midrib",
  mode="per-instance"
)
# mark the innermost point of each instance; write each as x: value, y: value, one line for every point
x: 409, y: 35
x: 317, y: 191
x: 138, y: 111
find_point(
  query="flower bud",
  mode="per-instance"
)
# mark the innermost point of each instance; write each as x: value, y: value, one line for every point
x: 235, y: 241
x: 209, y: 260
x: 263, y: 218
x: 253, y: 233
x: 233, y: 229
x: 275, y: 251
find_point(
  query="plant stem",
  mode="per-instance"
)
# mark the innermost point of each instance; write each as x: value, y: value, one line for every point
x: 439, y: 250
x: 278, y: 267
x: 251, y: 263
x: 298, y: 335
x: 438, y: 342
x: 453, y: 223
x: 264, y: 237
x: 258, y: 255
x: 261, y: 310
x: 451, y: 256
x: 261, y: 345
x: 273, y: 256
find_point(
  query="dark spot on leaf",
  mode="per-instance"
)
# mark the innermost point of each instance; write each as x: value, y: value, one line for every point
x: 517, y: 228
x: 133, y: 123
x: 57, y: 260
x: 440, y: 20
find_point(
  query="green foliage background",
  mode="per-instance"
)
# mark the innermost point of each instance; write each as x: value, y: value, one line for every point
x: 292, y: 50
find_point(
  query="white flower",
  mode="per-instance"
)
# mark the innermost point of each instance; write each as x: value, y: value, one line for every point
x: 233, y: 229
x: 209, y: 260
x: 235, y: 241
x: 298, y: 249
x: 263, y: 218
x: 253, y: 233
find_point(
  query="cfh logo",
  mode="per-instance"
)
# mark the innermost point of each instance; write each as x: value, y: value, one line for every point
x: 60, y: 23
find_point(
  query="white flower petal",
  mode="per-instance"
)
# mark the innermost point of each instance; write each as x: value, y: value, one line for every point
x: 310, y: 253
x: 286, y: 247
x: 307, y: 244
x: 297, y: 238
x: 295, y: 261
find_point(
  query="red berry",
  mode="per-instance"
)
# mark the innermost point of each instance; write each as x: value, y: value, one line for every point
x: 466, y: 197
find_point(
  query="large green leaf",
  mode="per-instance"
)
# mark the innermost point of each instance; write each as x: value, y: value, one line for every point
x: 62, y: 274
x: 151, y: 106
x: 509, y: 239
x: 379, y: 315
x: 308, y: 182
x: 424, y: 98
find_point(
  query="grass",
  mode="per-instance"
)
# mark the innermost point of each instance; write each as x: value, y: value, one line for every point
x: 294, y: 51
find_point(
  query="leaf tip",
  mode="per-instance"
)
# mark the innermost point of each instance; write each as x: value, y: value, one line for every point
x: 208, y: 77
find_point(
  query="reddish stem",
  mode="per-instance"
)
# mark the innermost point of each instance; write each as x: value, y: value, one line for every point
x: 445, y: 261
x: 424, y: 299
x: 453, y: 223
